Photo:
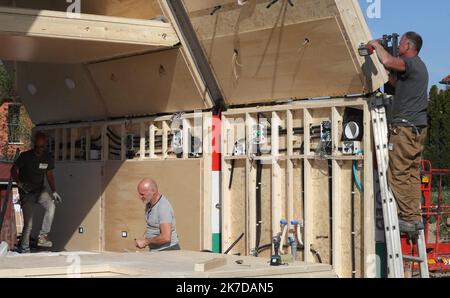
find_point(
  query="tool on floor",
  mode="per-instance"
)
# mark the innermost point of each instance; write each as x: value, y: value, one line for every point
x: 275, y: 259
x: 395, y: 256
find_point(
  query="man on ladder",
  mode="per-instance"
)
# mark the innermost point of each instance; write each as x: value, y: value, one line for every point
x: 409, y: 76
x: 409, y: 126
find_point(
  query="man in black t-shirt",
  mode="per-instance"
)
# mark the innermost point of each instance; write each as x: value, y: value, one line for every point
x: 29, y: 172
x: 408, y: 132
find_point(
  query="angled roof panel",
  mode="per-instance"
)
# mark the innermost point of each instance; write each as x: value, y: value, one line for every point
x: 264, y: 54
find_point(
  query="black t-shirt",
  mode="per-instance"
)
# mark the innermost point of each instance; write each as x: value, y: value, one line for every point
x: 32, y: 169
x: 411, y: 93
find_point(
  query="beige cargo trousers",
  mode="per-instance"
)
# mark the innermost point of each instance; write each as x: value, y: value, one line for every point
x: 405, y: 154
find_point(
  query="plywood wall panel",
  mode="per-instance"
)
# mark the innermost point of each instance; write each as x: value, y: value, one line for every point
x: 179, y: 181
x: 80, y: 186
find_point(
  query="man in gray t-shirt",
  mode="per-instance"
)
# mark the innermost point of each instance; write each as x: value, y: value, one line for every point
x: 161, y: 231
x: 409, y: 75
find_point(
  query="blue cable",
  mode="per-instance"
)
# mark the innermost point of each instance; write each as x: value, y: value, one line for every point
x: 357, y: 182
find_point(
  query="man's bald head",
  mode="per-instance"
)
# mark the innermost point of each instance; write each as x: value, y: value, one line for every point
x: 147, y: 183
x: 147, y: 189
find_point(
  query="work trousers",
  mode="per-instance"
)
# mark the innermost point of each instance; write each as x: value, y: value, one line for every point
x: 405, y: 154
x: 28, y: 202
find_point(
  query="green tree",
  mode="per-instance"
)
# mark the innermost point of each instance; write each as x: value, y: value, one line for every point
x: 7, y: 92
x: 437, y: 149
x: 6, y: 86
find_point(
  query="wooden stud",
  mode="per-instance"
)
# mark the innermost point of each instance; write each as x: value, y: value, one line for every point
x: 142, y: 140
x: 207, y: 181
x: 289, y: 133
x: 290, y: 191
x: 186, y: 138
x: 337, y: 227
x: 276, y: 179
x: 307, y: 120
x: 250, y: 186
x: 225, y: 204
x: 73, y: 135
x: 165, y: 139
x: 336, y: 123
x: 152, y: 130
x: 369, y: 198
x: 309, y: 211
x: 275, y: 136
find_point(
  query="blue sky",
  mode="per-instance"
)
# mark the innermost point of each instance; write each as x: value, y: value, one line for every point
x: 430, y: 18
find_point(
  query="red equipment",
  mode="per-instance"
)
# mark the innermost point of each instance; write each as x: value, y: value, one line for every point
x: 436, y: 216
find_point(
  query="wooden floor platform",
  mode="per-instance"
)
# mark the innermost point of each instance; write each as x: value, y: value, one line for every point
x: 171, y: 264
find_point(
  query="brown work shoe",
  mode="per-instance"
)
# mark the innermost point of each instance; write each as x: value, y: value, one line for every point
x: 44, y: 242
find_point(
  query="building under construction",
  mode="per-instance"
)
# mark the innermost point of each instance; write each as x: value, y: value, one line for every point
x: 247, y: 113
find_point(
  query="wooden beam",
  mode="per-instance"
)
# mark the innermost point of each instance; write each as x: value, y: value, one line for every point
x: 165, y: 139
x: 336, y: 206
x: 250, y: 173
x: 309, y: 211
x: 142, y: 142
x: 307, y: 121
x: 207, y: 182
x: 210, y: 264
x: 187, y: 55
x: 113, y: 36
x: 370, y: 257
x: 289, y: 133
x: 186, y: 138
x: 73, y: 135
x: 152, y: 130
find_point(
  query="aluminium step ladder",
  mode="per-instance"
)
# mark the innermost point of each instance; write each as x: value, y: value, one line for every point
x: 395, y: 257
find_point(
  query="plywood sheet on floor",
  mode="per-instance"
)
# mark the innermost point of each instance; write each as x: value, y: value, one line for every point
x: 175, y: 264
x: 179, y: 180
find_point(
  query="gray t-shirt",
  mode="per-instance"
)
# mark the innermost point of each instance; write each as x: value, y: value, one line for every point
x: 161, y: 213
x: 411, y: 93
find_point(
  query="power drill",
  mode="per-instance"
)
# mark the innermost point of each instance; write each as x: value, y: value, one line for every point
x: 275, y: 260
x: 365, y: 50
x: 389, y: 42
